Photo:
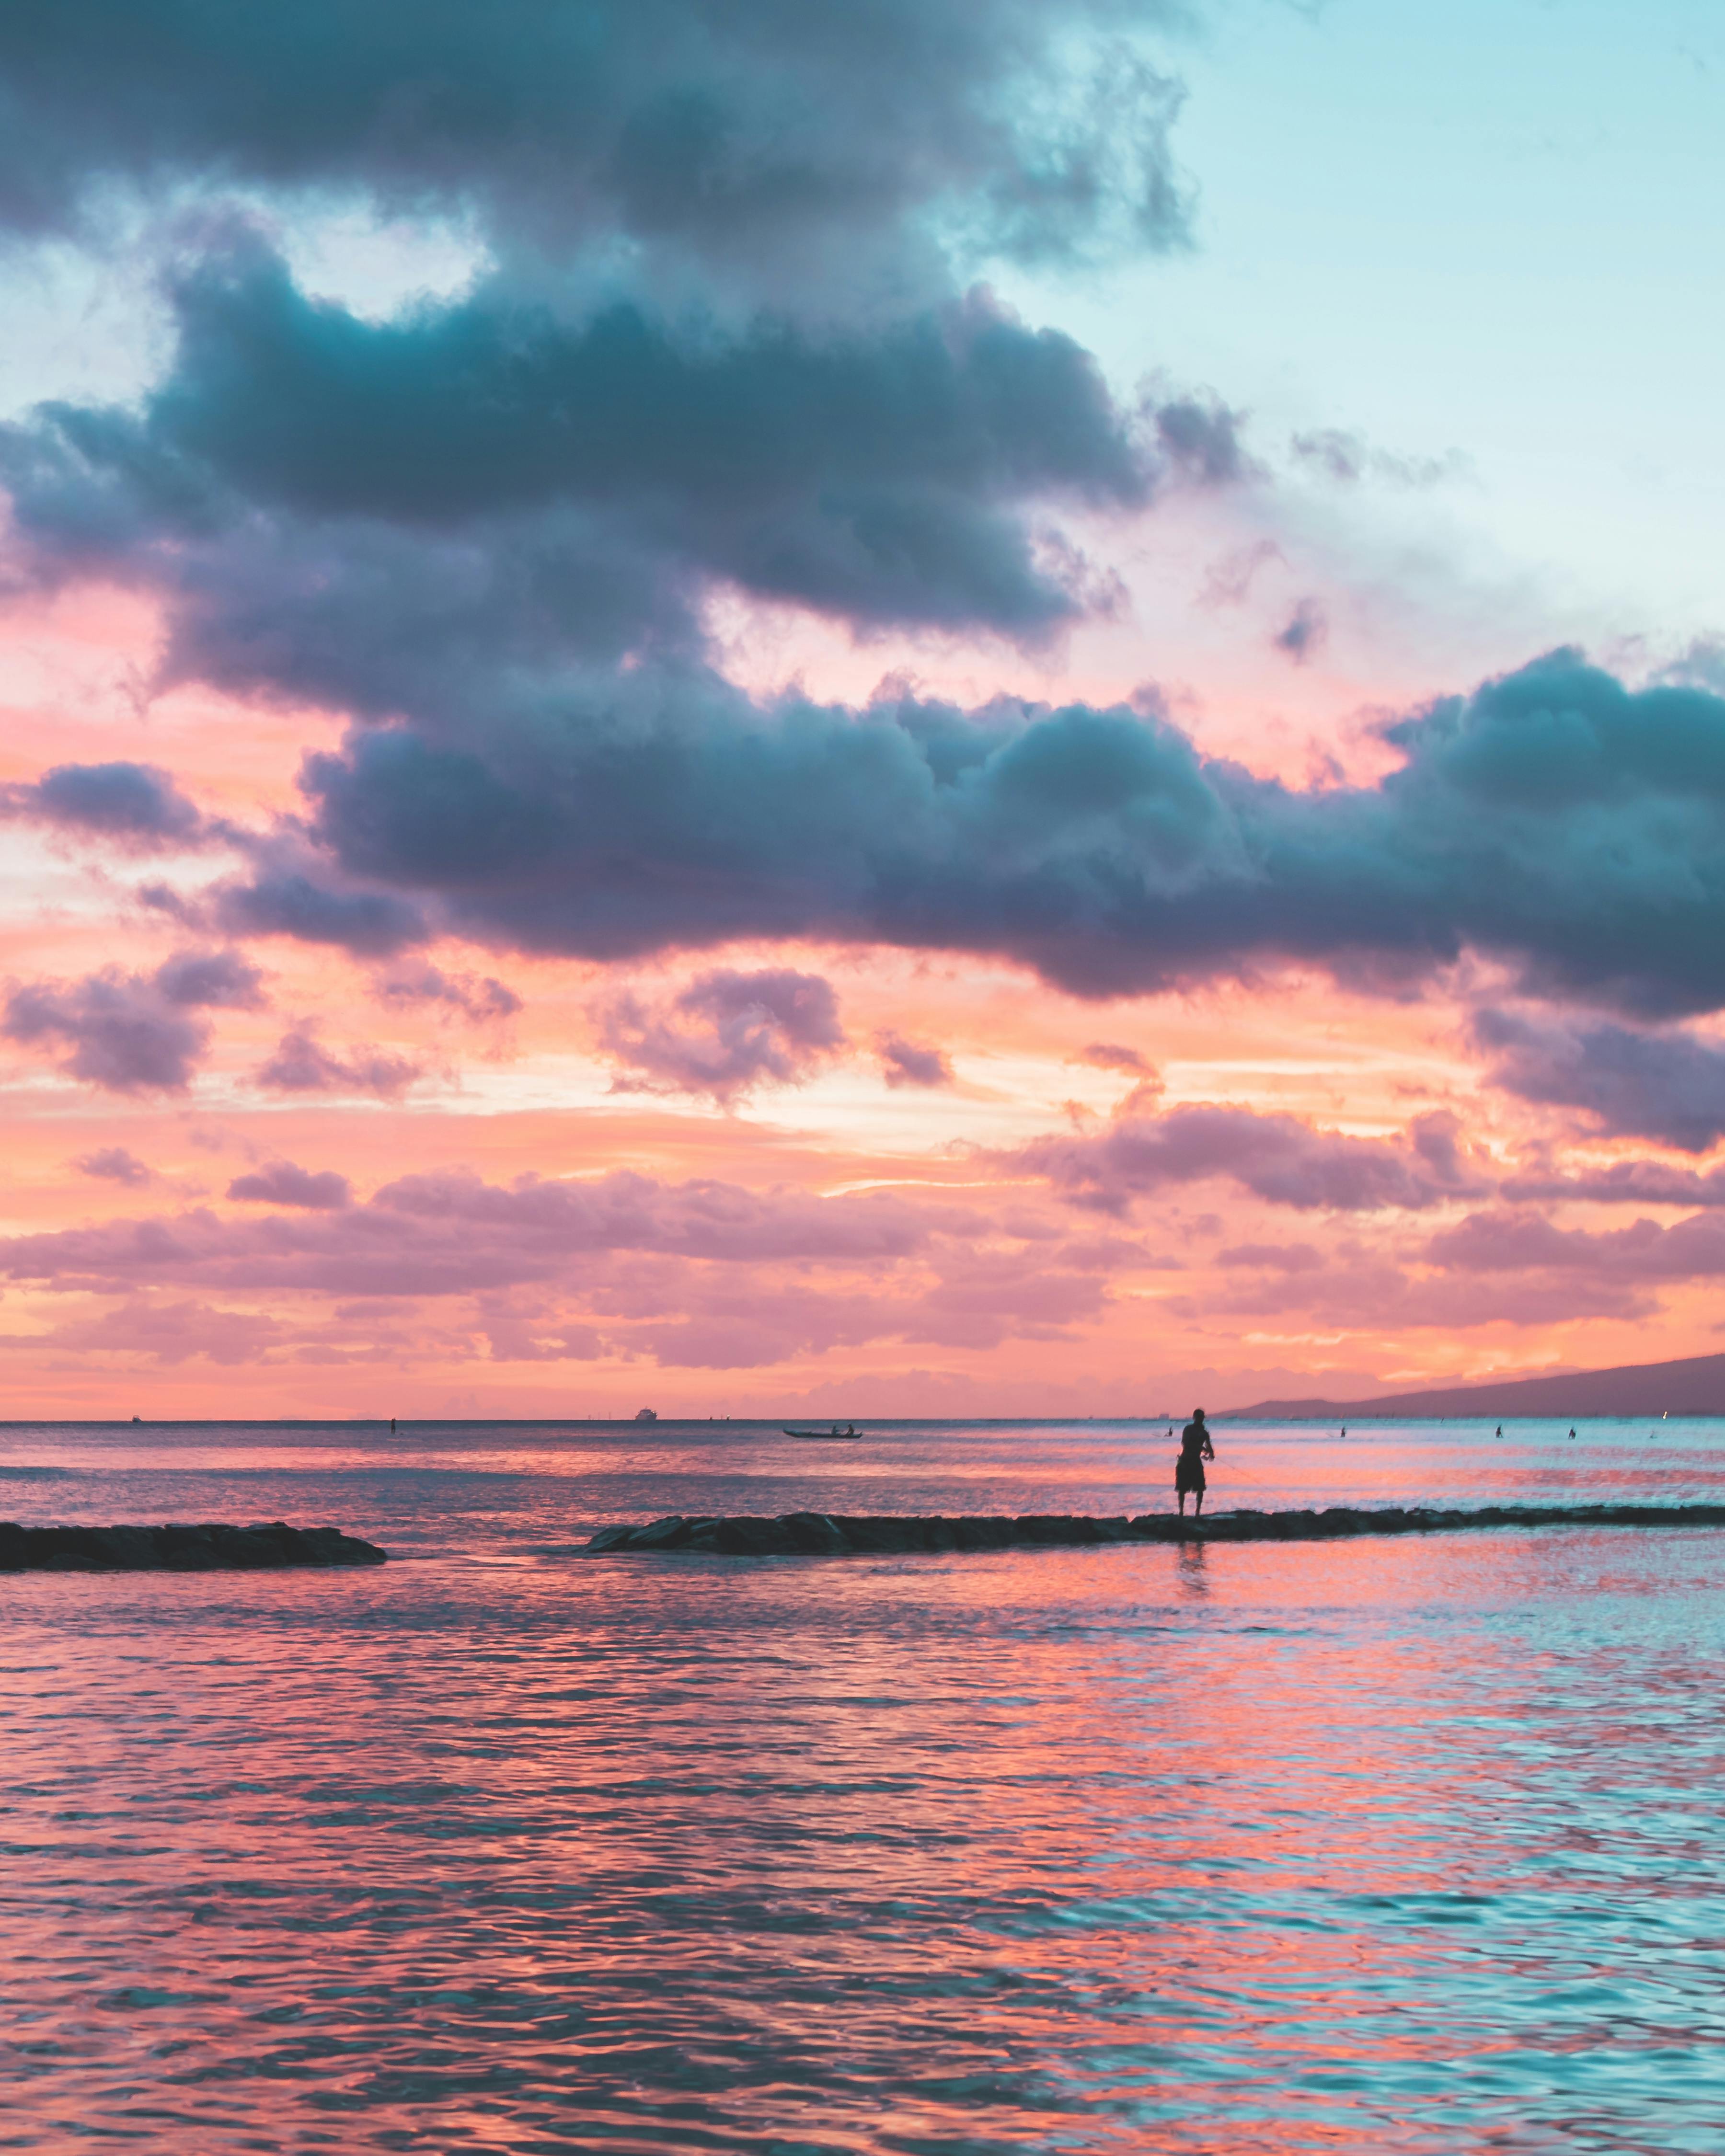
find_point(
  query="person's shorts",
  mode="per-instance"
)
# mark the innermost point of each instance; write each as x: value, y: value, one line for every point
x: 1188, y: 1479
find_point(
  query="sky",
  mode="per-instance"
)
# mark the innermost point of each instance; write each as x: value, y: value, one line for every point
x: 937, y: 707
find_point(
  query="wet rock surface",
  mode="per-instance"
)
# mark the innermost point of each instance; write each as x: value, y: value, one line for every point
x: 268, y: 1546
x: 829, y: 1534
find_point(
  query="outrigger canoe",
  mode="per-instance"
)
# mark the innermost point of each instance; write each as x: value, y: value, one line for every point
x: 827, y: 1435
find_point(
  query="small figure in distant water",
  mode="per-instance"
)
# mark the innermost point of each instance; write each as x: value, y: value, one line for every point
x: 1344, y: 1430
x: 392, y: 1425
x: 1571, y: 1430
x: 1196, y: 1448
x: 1499, y: 1430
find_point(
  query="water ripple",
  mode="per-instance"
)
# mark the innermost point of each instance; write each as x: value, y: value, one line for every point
x: 1234, y: 1852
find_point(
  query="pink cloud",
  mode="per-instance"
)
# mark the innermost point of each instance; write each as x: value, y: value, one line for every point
x: 133, y: 1033
x: 725, y: 1035
x: 1113, y: 1055
x: 1621, y: 1182
x: 452, y: 1233
x: 696, y: 1275
x: 116, y: 1164
x: 982, y: 1296
x: 903, y: 1062
x: 1277, y: 1158
x: 280, y: 1182
x: 1358, y: 1291
x: 169, y: 1333
x: 485, y: 1001
x: 302, y: 1064
x: 1507, y: 1241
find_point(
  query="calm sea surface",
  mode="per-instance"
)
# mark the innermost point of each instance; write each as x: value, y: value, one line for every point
x: 1381, y: 1845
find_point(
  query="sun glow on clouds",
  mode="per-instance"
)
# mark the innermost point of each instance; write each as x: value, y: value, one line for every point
x: 616, y: 779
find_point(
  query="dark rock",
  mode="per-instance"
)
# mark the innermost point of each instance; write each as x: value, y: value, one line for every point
x: 877, y: 1537
x: 268, y: 1545
x: 983, y: 1533
x: 662, y: 1534
x: 1055, y: 1528
x: 813, y: 1534
x: 746, y: 1538
x: 823, y: 1534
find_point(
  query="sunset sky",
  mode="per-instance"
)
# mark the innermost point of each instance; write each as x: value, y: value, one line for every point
x: 916, y: 706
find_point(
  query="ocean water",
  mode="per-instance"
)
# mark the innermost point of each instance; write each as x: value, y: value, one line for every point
x: 1399, y: 1845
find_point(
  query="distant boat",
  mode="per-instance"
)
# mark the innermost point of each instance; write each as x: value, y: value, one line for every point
x: 645, y: 1414
x: 828, y: 1435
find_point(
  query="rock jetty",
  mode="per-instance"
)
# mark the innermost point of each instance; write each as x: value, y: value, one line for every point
x: 266, y: 1547
x: 830, y: 1534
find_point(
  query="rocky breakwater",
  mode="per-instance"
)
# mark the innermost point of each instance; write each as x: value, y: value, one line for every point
x: 830, y: 1534
x: 267, y: 1547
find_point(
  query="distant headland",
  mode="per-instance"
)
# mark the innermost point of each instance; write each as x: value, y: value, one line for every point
x: 1692, y: 1386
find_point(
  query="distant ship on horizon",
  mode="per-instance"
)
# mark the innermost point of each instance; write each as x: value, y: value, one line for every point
x: 646, y: 1414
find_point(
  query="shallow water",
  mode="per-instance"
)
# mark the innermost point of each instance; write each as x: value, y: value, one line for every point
x: 1401, y: 1845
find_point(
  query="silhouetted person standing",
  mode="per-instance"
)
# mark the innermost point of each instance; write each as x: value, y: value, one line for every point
x: 1196, y: 1448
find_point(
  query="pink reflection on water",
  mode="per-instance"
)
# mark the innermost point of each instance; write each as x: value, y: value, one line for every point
x: 1404, y: 1846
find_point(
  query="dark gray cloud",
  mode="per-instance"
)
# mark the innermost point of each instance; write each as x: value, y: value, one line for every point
x: 369, y: 924
x: 131, y: 805
x: 1349, y: 458
x: 302, y: 1064
x: 1626, y: 1083
x: 880, y: 473
x: 1277, y: 1157
x: 737, y: 132
x: 1304, y: 634
x: 116, y: 1164
x: 280, y: 1182
x: 722, y: 341
x: 1336, y: 453
x: 495, y: 403
x: 1201, y: 437
x: 904, y: 1063
x: 1554, y: 820
x: 724, y: 1035
x: 132, y: 1032
x: 488, y: 529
